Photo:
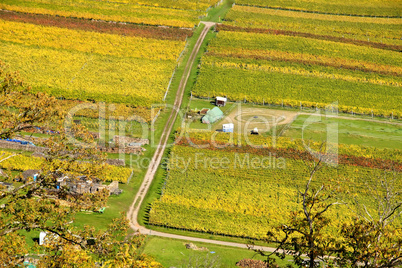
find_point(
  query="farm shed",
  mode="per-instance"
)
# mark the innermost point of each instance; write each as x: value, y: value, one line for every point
x: 227, y: 127
x: 212, y: 116
x: 220, y: 101
x: 30, y: 173
x: 82, y: 185
x: 7, y: 185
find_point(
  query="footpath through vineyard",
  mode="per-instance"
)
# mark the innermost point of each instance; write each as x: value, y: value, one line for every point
x: 132, y: 214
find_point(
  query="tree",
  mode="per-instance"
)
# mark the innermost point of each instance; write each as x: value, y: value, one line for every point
x: 20, y: 109
x: 90, y: 248
x: 36, y: 204
x: 371, y: 240
x: 304, y: 236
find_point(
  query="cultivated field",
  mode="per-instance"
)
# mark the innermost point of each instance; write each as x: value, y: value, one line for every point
x: 265, y: 55
x: 387, y: 8
x: 255, y: 188
x: 83, y: 64
x: 169, y: 13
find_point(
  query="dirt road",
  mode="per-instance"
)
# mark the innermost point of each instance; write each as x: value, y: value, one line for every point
x: 132, y: 214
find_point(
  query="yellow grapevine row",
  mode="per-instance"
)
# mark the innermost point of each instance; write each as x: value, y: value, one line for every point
x: 75, y: 75
x: 296, y: 144
x: 22, y: 163
x: 296, y: 90
x: 110, y: 12
x: 362, y: 8
x: 91, y: 42
x: 381, y: 34
x: 297, y: 71
x: 308, y: 58
x: 315, y: 16
x: 181, y: 4
x: 317, y: 50
x: 262, y: 197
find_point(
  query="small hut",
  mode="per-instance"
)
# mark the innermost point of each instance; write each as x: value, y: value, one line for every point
x: 30, y: 173
x: 228, y: 127
x: 220, y: 101
x: 254, y: 131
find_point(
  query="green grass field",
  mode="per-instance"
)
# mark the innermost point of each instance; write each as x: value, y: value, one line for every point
x: 173, y: 253
x: 218, y: 13
x: 358, y: 132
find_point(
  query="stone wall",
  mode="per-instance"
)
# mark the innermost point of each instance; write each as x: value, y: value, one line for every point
x: 115, y: 162
x: 18, y: 146
x: 113, y: 186
x: 125, y: 140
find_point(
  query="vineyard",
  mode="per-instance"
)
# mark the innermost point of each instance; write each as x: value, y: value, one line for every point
x: 122, y: 52
x: 243, y: 192
x: 163, y: 33
x: 78, y: 64
x: 301, y: 59
x: 22, y: 163
x: 358, y: 8
x: 379, y: 30
x: 168, y: 13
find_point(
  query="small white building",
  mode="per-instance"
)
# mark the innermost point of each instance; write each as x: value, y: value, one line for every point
x: 228, y: 127
x: 42, y: 238
x: 220, y: 101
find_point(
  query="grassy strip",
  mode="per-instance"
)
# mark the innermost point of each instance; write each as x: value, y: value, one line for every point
x: 218, y: 13
x: 154, y: 190
x: 356, y: 132
x: 173, y: 253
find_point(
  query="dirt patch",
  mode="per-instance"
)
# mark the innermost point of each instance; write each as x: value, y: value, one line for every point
x: 246, y: 119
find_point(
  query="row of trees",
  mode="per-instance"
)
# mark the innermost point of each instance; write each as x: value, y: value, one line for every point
x: 34, y: 205
x: 367, y: 241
